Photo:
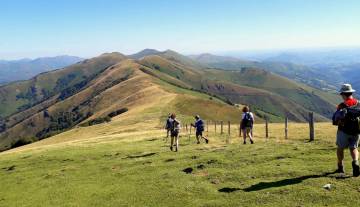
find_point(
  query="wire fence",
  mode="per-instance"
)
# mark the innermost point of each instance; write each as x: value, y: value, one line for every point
x: 230, y: 130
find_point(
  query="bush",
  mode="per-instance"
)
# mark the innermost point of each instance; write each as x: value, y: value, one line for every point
x: 20, y: 142
x: 99, y: 120
x: 118, y: 112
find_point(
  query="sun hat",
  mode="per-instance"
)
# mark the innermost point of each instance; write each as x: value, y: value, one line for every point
x: 346, y: 88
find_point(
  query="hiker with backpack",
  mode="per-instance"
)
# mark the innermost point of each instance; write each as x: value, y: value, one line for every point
x: 247, y: 123
x: 200, y: 126
x: 174, y: 131
x: 347, y: 118
x: 168, y: 126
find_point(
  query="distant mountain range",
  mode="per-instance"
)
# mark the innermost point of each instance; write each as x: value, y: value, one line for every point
x: 23, y: 69
x: 96, y: 89
x: 325, y: 68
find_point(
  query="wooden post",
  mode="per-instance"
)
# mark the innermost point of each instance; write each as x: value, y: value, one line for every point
x: 266, y: 128
x: 311, y: 125
x: 215, y: 126
x: 286, y: 127
x: 240, y: 129
x: 229, y: 128
x: 221, y: 127
x: 229, y: 133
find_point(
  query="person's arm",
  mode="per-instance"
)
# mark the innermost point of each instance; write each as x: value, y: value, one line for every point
x: 252, y: 116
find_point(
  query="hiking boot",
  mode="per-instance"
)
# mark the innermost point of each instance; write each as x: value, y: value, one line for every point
x: 252, y: 142
x: 207, y: 141
x: 244, y: 142
x: 356, y: 168
x: 340, y: 169
x: 171, y: 148
x: 176, y: 149
x: 198, y: 142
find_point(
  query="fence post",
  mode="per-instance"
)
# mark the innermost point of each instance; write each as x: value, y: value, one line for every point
x: 240, y: 129
x: 266, y: 128
x: 221, y: 127
x: 311, y: 125
x: 215, y: 126
x: 229, y: 128
x: 286, y: 127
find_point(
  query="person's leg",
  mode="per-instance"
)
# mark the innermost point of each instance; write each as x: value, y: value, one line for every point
x: 244, y: 135
x: 177, y: 142
x: 355, y: 163
x: 342, y: 143
x: 206, y: 139
x: 250, y: 136
x: 198, y: 136
x: 340, y: 156
x: 172, y: 142
x: 354, y: 142
x: 354, y: 154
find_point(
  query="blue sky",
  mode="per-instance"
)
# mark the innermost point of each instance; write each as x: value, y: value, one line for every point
x: 88, y: 28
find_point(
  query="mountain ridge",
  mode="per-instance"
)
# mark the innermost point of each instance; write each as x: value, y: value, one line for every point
x: 112, y: 83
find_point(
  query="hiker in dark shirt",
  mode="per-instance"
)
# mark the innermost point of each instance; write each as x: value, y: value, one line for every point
x: 200, y: 126
x: 247, y: 123
x: 175, y: 130
x: 348, y: 129
x: 168, y: 126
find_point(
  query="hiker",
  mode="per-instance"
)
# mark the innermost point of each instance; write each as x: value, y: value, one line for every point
x: 199, y: 125
x: 247, y: 123
x: 175, y: 130
x: 168, y: 126
x: 346, y: 118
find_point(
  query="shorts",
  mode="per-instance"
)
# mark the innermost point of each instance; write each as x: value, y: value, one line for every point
x: 344, y: 140
x: 175, y: 133
x: 200, y: 133
x: 247, y: 130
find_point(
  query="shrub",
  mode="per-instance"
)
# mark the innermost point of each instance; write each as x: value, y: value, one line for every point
x: 21, y: 142
x: 118, y: 112
x: 99, y: 120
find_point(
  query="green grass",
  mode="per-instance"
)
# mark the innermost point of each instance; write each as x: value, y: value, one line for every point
x: 124, y: 172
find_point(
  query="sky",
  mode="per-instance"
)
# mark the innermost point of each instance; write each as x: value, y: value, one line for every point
x: 86, y: 28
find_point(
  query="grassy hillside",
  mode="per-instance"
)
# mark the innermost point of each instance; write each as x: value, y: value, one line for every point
x: 269, y: 94
x: 300, y: 73
x: 127, y: 163
x: 21, y: 95
x: 96, y: 90
x: 122, y: 87
x: 310, y: 98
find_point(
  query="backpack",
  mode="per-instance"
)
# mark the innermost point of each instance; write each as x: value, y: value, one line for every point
x: 175, y: 125
x: 247, y: 120
x: 352, y: 120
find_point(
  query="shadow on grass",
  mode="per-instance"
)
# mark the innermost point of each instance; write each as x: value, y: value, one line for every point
x: 285, y: 182
x: 143, y: 155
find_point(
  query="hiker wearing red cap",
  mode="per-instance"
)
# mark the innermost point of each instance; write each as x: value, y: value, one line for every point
x: 347, y: 118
